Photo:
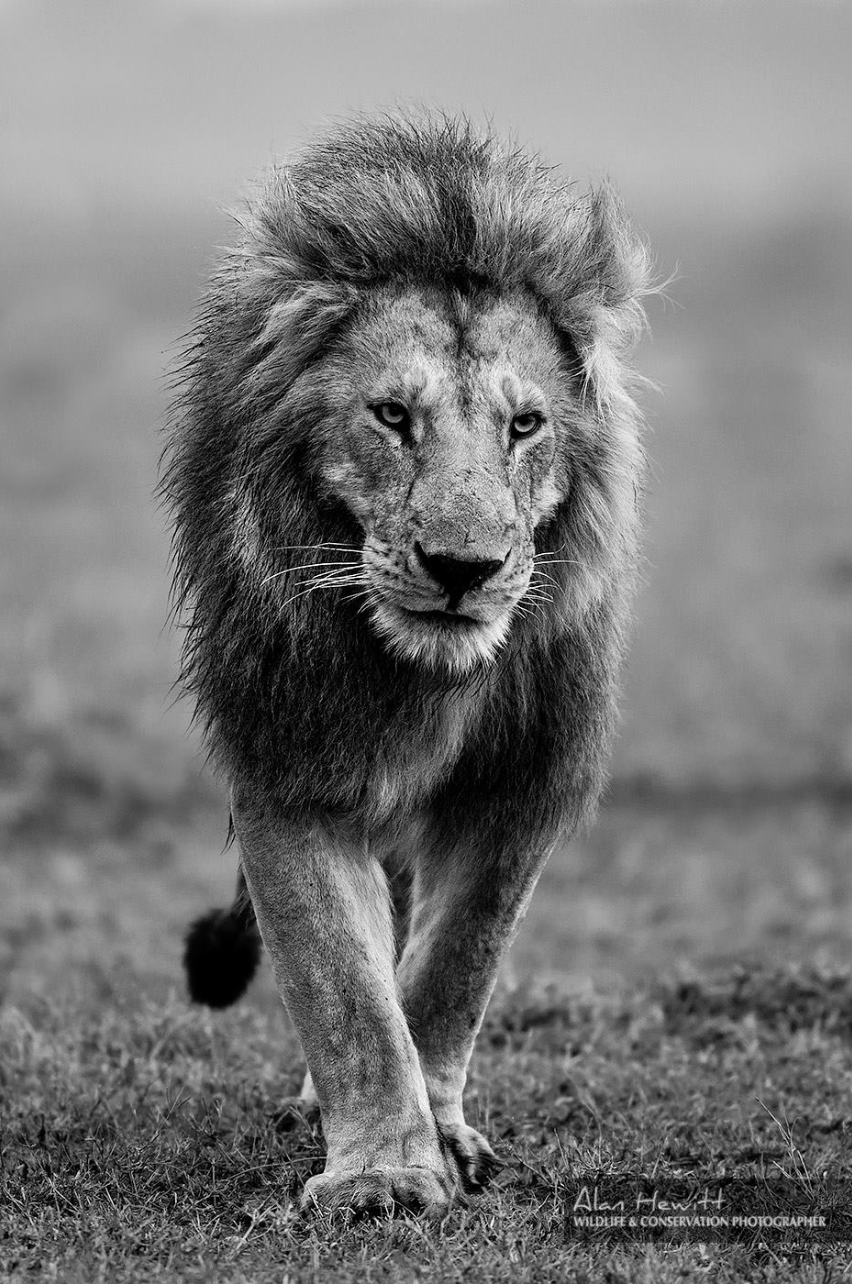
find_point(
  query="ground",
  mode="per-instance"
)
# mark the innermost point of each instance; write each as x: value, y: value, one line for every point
x: 679, y: 1002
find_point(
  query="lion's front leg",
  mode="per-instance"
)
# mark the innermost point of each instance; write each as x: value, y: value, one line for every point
x: 324, y: 914
x: 466, y: 910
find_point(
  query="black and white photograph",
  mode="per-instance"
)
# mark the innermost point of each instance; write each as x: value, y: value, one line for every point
x: 425, y: 641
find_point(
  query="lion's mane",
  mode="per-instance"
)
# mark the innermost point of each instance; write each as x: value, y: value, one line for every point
x: 304, y: 696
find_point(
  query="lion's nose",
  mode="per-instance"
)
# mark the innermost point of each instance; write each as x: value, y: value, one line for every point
x: 457, y: 574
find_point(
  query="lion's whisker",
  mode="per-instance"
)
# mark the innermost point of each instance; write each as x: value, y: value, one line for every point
x: 331, y: 580
x: 325, y: 582
x: 330, y: 547
x: 306, y: 566
x: 364, y: 592
x: 556, y: 561
x: 534, y: 607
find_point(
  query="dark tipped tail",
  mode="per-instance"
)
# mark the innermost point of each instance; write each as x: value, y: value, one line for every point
x: 222, y: 952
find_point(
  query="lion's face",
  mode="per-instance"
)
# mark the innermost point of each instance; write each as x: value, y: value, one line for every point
x: 444, y: 421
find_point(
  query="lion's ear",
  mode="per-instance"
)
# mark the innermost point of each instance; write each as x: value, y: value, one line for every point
x: 606, y: 317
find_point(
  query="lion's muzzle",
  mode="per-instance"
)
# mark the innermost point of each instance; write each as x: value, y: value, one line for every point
x: 457, y: 575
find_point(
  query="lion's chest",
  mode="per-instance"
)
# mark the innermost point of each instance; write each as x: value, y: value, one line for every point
x: 411, y: 764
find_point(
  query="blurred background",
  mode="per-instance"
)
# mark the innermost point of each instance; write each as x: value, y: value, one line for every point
x: 125, y: 130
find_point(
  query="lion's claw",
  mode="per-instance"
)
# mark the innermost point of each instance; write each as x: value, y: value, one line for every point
x: 473, y: 1157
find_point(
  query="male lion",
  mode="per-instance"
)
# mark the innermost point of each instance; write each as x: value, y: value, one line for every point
x: 403, y: 474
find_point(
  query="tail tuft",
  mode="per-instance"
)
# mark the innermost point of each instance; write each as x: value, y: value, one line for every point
x: 221, y: 954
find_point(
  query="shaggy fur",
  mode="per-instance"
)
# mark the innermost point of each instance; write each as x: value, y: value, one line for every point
x: 420, y: 202
x: 375, y: 744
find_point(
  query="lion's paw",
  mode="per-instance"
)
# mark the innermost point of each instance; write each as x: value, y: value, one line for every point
x: 377, y: 1192
x: 472, y: 1155
x: 297, y: 1112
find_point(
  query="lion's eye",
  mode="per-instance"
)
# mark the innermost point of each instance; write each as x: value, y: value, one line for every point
x: 392, y: 415
x: 525, y: 424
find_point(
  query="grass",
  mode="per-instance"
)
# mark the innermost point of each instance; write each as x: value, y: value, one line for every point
x: 139, y: 1137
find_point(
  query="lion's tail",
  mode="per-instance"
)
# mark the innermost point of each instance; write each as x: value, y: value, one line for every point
x: 222, y: 952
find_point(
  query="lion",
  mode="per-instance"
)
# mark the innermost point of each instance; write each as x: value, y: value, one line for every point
x: 404, y: 471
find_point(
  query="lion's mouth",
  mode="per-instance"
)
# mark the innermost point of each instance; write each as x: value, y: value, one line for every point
x: 439, y: 638
x: 455, y: 618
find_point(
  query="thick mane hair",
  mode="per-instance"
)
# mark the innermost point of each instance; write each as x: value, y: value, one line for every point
x: 298, y: 691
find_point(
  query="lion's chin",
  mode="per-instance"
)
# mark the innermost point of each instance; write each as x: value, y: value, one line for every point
x: 437, y: 639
